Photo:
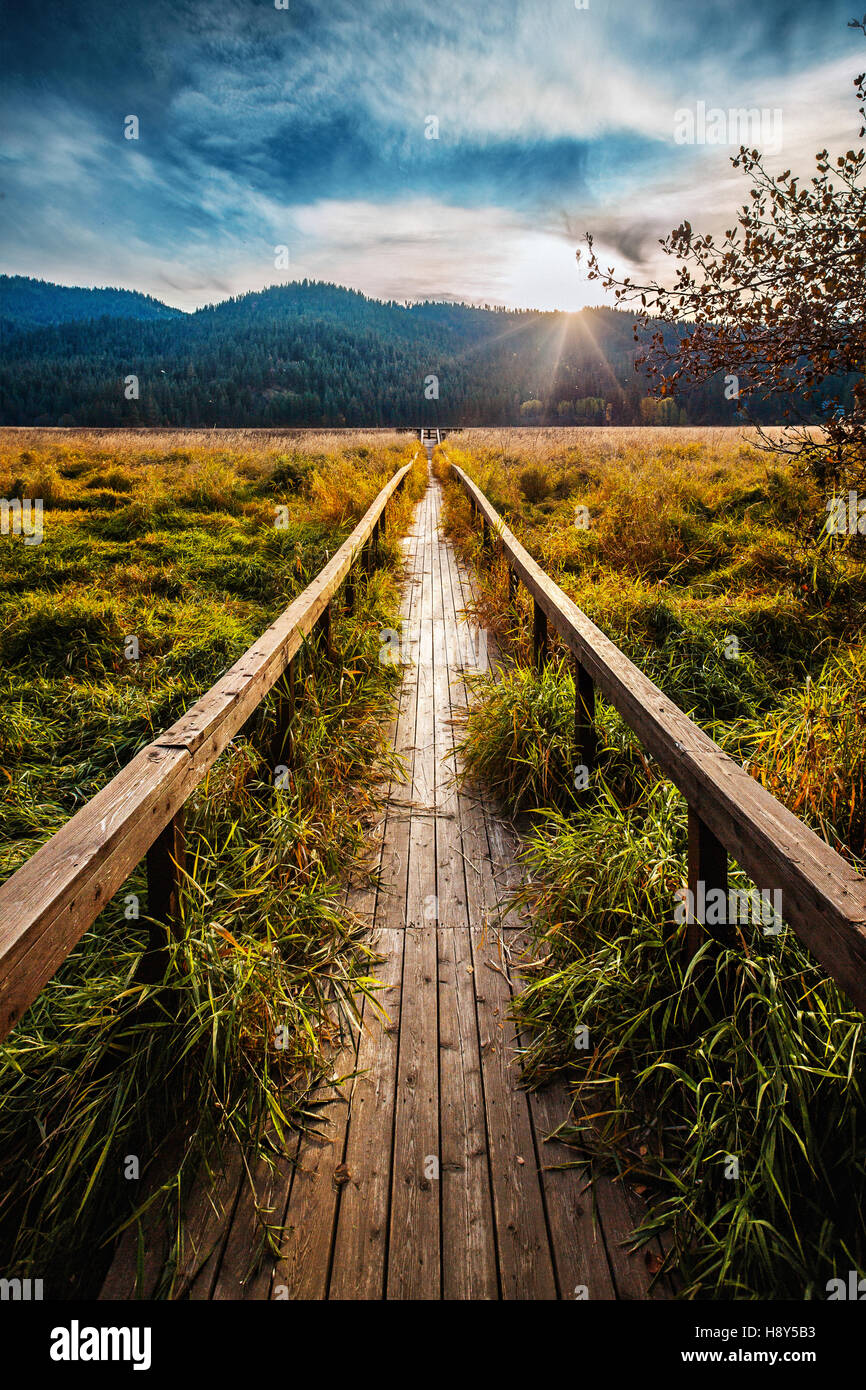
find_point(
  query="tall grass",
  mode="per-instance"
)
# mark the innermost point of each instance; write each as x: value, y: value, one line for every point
x: 104, y: 1066
x: 728, y: 1089
x: 742, y: 1120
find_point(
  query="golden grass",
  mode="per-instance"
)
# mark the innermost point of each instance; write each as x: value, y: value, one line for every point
x: 694, y: 537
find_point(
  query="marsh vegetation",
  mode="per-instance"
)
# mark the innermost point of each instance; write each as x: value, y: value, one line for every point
x: 172, y: 540
x: 675, y: 542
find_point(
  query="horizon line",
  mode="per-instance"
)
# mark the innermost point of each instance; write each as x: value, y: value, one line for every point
x: 410, y: 301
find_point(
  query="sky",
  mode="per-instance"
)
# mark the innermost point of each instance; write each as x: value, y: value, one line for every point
x: 414, y: 150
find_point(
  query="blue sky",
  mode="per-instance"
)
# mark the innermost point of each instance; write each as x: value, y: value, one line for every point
x: 306, y: 127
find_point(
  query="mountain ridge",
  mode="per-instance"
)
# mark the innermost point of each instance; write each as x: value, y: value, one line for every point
x: 32, y: 302
x: 307, y: 352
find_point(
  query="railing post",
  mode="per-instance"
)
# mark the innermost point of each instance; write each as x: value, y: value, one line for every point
x: 282, y: 745
x: 349, y: 590
x: 512, y: 586
x: 585, y: 738
x: 708, y: 871
x: 485, y: 536
x: 323, y: 632
x: 166, y: 859
x: 539, y: 635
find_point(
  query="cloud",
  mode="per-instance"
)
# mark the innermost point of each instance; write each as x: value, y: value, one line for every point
x: 306, y: 127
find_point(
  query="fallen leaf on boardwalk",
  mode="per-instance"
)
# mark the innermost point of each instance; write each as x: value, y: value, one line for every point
x: 534, y: 964
x: 521, y: 1160
x: 653, y: 1262
x: 341, y: 1175
x: 491, y: 966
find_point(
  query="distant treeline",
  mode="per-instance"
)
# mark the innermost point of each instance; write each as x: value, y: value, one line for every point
x: 308, y: 353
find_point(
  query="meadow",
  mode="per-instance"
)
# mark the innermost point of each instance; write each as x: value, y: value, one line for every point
x: 708, y: 562
x: 159, y: 565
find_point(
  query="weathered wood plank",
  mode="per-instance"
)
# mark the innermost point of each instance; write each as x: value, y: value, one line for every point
x: 246, y: 1268
x: 524, y: 1254
x: 469, y: 1268
x: 579, y: 1252
x: 414, y: 1242
x: 363, y: 1216
x: 206, y: 1222
x: 620, y: 1211
x: 525, y: 1261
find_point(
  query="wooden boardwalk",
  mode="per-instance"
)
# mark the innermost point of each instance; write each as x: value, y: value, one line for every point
x: 433, y: 1177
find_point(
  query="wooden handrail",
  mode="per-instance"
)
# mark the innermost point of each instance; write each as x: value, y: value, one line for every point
x: 823, y: 896
x: 47, y: 905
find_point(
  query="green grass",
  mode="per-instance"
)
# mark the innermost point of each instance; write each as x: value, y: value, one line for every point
x: 748, y: 1055
x: 751, y: 1053
x: 103, y: 1066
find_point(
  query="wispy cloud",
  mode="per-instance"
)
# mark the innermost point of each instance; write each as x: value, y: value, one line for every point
x: 308, y: 127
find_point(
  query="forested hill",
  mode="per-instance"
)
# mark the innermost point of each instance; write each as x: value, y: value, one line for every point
x: 309, y: 353
x: 28, y: 303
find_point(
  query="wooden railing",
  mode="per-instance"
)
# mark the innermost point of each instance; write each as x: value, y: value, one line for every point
x: 48, y: 904
x: 823, y: 897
